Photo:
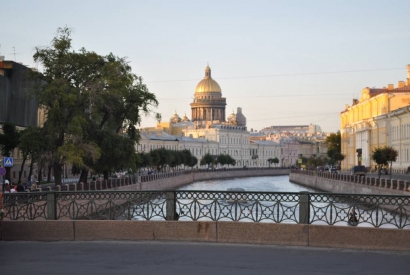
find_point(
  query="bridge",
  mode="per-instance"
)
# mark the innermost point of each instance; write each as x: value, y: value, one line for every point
x: 303, y: 219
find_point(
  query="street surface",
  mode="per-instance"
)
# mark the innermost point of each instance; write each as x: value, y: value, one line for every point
x: 191, y: 258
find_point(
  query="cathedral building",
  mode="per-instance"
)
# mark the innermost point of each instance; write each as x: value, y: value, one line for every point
x: 209, y: 131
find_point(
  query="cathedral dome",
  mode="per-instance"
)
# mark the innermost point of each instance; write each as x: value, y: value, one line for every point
x: 232, y: 119
x: 208, y: 85
x: 175, y: 118
x: 185, y: 118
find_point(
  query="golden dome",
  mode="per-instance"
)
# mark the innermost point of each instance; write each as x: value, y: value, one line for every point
x: 208, y: 85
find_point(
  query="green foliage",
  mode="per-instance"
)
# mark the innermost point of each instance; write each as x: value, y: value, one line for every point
x: 144, y: 160
x: 192, y: 161
x: 207, y: 159
x: 383, y: 155
x: 314, y: 161
x: 93, y: 103
x: 160, y: 157
x: 222, y: 159
x: 9, y: 139
x: 333, y: 143
x: 230, y: 160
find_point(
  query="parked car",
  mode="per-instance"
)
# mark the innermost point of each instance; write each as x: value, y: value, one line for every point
x: 359, y: 170
x: 333, y: 170
x: 384, y: 171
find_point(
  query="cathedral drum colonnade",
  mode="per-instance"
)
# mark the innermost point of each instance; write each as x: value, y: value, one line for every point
x: 208, y: 105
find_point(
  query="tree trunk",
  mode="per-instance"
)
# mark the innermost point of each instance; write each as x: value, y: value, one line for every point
x: 21, y: 169
x: 40, y: 174
x: 8, y: 174
x: 57, y: 167
x: 105, y: 175
x: 84, y: 175
x: 49, y: 174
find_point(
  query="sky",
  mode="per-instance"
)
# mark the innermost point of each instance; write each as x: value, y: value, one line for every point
x: 284, y: 62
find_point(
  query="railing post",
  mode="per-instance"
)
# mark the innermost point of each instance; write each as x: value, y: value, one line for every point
x: 304, y: 207
x: 51, y: 206
x: 171, y: 205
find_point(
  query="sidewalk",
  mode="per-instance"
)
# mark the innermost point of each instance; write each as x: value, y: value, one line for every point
x: 191, y: 258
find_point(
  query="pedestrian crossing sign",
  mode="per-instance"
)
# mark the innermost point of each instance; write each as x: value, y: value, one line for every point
x: 8, y: 162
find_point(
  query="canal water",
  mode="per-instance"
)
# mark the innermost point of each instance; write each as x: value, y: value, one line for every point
x: 262, y: 184
x: 275, y: 206
x: 282, y: 184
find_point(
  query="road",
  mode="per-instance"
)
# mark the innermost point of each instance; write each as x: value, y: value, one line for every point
x: 191, y: 258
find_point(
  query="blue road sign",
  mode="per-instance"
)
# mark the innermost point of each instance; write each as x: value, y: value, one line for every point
x: 8, y: 162
x: 2, y: 171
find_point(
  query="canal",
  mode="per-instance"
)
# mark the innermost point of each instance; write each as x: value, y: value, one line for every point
x: 262, y: 184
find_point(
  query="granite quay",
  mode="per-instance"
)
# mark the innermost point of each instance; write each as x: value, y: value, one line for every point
x: 166, y: 180
x: 342, y: 183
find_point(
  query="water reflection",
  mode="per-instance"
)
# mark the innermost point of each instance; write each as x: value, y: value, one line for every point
x: 262, y: 184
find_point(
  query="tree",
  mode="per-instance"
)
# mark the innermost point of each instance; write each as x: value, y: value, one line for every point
x: 175, y: 159
x: 230, y: 160
x: 144, y: 160
x: 192, y: 161
x: 158, y: 117
x: 383, y: 155
x: 270, y: 161
x: 31, y: 145
x: 160, y: 157
x: 314, y: 161
x: 9, y: 140
x: 333, y: 143
x: 207, y: 159
x: 276, y: 161
x: 87, y: 95
x: 186, y: 157
x: 222, y: 159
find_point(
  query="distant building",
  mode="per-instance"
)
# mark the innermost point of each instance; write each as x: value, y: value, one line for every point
x: 16, y: 106
x: 292, y: 129
x: 209, y: 132
x: 372, y: 121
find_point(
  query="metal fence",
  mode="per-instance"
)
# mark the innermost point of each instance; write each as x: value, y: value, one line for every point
x: 274, y: 207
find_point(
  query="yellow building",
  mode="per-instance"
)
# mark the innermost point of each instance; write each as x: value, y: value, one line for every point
x: 363, y: 124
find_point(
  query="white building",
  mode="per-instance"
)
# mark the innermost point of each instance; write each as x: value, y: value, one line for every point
x: 209, y: 131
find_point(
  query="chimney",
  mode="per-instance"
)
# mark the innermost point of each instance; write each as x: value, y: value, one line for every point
x: 390, y: 87
x: 400, y: 84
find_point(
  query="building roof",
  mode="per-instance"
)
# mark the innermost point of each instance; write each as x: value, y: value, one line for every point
x: 265, y: 142
x: 208, y: 85
x: 166, y: 137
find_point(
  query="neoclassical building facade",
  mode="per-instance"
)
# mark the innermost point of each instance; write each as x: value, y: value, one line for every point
x: 377, y: 119
x: 209, y: 131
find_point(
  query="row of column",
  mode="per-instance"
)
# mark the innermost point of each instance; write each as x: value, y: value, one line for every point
x: 208, y: 114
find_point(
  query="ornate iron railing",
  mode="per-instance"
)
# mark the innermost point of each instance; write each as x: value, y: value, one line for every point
x: 303, y: 207
x: 25, y: 206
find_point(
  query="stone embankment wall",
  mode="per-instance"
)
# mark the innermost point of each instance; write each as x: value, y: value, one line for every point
x: 171, y: 180
x: 337, y: 183
x: 220, y: 232
x: 175, y: 182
